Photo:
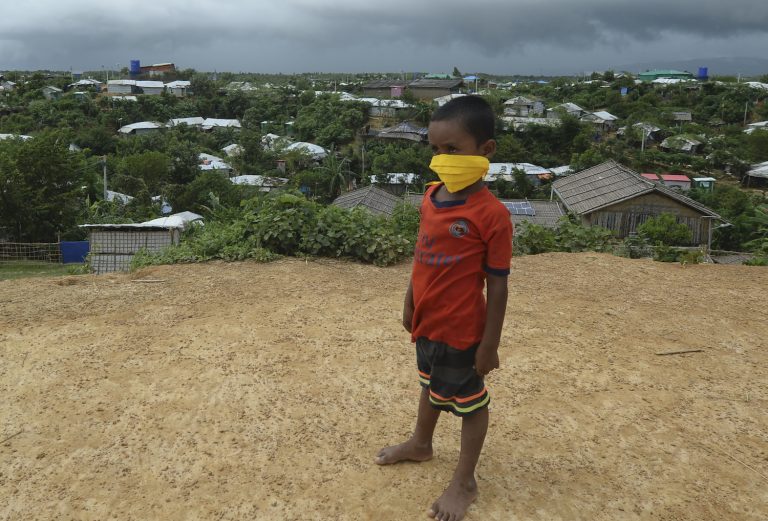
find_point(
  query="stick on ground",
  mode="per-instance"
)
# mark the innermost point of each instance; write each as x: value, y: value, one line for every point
x: 11, y: 436
x: 665, y: 353
x: 721, y: 451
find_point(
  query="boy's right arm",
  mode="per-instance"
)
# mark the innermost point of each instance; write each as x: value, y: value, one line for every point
x: 408, y: 308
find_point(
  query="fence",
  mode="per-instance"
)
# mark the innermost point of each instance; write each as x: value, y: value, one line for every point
x: 53, y: 252
x: 30, y: 251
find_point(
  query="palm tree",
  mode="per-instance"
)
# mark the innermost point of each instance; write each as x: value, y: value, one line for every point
x: 337, y: 171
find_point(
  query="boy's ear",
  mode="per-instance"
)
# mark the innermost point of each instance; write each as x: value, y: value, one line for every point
x: 488, y: 148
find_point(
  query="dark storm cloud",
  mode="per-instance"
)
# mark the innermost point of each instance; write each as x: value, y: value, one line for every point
x: 505, y: 25
x: 342, y: 34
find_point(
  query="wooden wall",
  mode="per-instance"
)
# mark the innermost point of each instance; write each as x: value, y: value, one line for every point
x: 624, y: 218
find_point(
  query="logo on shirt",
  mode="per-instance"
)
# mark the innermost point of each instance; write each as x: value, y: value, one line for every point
x: 459, y: 229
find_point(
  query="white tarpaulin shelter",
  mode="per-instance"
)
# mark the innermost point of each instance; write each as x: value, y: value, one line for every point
x: 316, y: 151
x: 181, y: 220
x: 113, y: 246
x: 759, y: 170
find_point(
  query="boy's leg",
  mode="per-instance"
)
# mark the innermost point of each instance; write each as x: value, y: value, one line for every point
x: 462, y: 490
x: 419, y: 446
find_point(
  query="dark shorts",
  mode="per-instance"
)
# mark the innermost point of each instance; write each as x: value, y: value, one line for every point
x: 449, y: 376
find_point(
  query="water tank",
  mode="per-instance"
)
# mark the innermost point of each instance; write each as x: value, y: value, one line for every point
x: 135, y: 67
x: 703, y: 73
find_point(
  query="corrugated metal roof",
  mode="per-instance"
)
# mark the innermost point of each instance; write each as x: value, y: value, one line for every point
x: 145, y: 84
x: 374, y: 199
x: 683, y: 142
x: 561, y: 170
x: 442, y: 100
x: 519, y: 100
x: 425, y: 83
x: 547, y: 213
x: 404, y: 130
x: 602, y: 114
x: 210, y: 123
x: 384, y: 84
x: 676, y: 177
x: 567, y: 107
x: 186, y: 121
x: 682, y: 116
x: 506, y: 170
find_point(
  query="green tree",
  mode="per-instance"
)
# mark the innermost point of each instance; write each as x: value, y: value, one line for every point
x: 42, y: 188
x: 335, y: 174
x: 509, y: 150
x: 329, y: 121
x: 151, y: 167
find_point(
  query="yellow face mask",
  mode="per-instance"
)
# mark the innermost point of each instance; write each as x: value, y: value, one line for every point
x: 457, y: 171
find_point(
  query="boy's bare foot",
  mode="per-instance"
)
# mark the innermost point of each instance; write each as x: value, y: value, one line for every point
x: 455, y: 501
x: 407, y: 451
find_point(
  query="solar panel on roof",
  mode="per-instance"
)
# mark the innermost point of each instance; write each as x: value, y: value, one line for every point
x: 520, y: 208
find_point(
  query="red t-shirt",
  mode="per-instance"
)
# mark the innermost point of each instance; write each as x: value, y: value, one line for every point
x: 459, y: 242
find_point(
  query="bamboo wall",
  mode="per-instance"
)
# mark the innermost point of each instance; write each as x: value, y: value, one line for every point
x: 624, y: 218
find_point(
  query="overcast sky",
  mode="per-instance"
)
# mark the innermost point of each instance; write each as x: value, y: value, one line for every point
x: 494, y: 36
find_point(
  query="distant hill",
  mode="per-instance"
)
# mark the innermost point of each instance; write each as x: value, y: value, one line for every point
x: 717, y: 66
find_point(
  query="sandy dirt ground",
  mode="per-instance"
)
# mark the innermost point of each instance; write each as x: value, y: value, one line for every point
x: 263, y: 391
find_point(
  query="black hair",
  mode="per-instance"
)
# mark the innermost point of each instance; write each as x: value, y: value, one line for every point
x: 473, y: 113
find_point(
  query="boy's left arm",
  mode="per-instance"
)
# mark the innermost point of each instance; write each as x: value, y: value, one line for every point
x: 487, y: 355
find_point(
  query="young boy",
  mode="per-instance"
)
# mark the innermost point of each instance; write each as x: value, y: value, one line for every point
x: 464, y: 244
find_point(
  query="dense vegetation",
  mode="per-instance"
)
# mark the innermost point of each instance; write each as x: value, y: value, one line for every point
x: 47, y: 187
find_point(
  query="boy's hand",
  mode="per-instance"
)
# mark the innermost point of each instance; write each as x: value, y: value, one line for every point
x: 408, y: 309
x: 486, y: 359
x: 408, y: 318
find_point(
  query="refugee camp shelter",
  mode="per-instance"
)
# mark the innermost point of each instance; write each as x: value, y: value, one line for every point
x: 758, y: 174
x: 542, y: 213
x: 617, y: 198
x: 404, y: 130
x: 179, y: 88
x: 113, y: 246
x: 373, y: 199
x: 429, y: 89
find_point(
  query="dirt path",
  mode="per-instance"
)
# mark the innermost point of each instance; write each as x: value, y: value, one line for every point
x: 247, y: 391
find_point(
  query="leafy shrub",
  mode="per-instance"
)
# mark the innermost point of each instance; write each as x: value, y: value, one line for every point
x: 665, y: 253
x: 666, y: 230
x: 328, y: 238
x: 405, y: 220
x: 635, y: 247
x: 693, y: 256
x: 289, y: 224
x: 568, y: 236
x: 575, y: 237
x: 282, y: 221
x: 757, y: 261
x: 372, y: 239
x: 531, y: 239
